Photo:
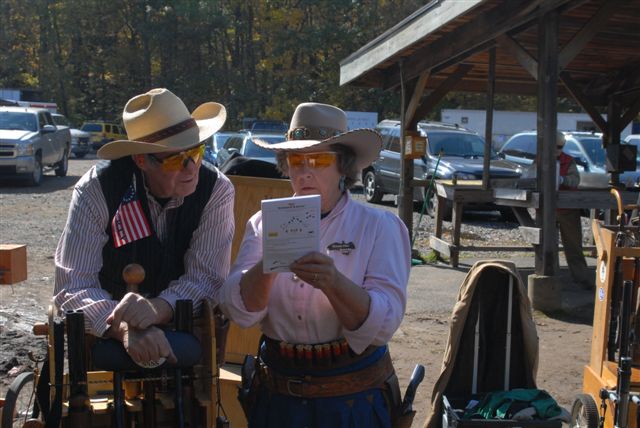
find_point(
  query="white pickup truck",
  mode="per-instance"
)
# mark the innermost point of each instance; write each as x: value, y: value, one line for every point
x: 30, y: 142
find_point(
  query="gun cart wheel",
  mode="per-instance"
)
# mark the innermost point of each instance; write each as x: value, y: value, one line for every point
x: 19, y: 403
x: 584, y: 412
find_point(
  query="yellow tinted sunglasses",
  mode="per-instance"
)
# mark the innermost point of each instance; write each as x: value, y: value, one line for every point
x: 179, y: 161
x: 316, y: 160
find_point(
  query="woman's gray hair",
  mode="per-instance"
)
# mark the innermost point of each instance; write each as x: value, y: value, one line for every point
x: 346, y: 159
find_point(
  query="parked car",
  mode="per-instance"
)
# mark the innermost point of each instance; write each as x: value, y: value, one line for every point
x: 214, y: 144
x: 242, y: 143
x: 631, y: 179
x: 584, y: 147
x: 103, y: 132
x: 30, y: 141
x: 462, y: 158
x: 275, y: 126
x: 79, y: 139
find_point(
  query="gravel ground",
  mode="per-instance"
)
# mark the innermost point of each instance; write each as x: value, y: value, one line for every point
x: 479, y: 228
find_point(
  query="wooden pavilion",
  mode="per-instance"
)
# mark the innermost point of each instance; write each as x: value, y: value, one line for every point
x: 586, y: 49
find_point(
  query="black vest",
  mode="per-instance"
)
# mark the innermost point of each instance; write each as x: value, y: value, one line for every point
x: 163, y: 262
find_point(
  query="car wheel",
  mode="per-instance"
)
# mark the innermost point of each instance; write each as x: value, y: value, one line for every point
x: 432, y: 206
x: 80, y: 155
x: 36, y: 176
x: 584, y: 412
x: 371, y: 193
x: 63, y: 166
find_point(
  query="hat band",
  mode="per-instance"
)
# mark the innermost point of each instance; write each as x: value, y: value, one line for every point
x: 303, y: 133
x: 168, y: 132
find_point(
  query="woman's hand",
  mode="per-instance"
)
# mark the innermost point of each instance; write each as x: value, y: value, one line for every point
x: 316, y: 269
x: 350, y: 301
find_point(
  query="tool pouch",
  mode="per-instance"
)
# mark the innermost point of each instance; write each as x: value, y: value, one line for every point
x: 249, y: 385
x: 221, y: 331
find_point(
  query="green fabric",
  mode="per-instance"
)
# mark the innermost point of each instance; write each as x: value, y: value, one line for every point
x: 496, y: 405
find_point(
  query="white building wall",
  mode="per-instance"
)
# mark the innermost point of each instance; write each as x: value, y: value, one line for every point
x: 361, y: 119
x: 10, y: 94
x: 507, y: 123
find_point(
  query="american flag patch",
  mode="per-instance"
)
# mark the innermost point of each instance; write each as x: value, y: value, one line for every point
x: 129, y: 224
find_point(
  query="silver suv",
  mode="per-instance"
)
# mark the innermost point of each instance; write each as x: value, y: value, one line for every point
x: 462, y: 157
x: 584, y: 147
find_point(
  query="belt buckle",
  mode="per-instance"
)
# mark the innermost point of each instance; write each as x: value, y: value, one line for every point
x: 299, y: 383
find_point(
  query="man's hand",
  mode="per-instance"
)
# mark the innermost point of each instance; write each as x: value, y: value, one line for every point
x: 148, y: 345
x: 140, y: 313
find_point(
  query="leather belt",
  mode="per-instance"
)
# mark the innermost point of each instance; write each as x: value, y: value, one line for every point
x: 373, y: 376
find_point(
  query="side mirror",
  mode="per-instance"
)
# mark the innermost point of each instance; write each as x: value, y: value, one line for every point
x: 48, y: 129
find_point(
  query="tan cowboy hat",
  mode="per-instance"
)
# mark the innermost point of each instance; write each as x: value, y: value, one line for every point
x: 158, y: 121
x: 315, y: 127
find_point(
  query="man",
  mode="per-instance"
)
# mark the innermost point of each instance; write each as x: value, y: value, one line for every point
x: 569, y: 221
x: 153, y: 204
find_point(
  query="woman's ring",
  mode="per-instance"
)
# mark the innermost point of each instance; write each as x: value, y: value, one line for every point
x: 315, y: 277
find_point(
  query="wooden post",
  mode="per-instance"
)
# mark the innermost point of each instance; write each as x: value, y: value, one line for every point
x: 613, y: 132
x: 405, y: 195
x: 488, y: 127
x: 547, y: 251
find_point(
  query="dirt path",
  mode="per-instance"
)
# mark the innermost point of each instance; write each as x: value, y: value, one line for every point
x: 36, y: 216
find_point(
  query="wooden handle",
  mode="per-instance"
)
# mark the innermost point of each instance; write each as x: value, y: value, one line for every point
x: 133, y: 275
x: 41, y: 329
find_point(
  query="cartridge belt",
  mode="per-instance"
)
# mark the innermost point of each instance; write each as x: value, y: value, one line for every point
x: 372, y: 376
x: 330, y: 355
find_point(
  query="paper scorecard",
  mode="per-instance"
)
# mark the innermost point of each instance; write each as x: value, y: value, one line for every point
x: 290, y: 229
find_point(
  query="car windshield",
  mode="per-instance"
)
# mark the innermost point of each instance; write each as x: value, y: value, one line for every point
x: 269, y: 126
x: 219, y: 140
x: 456, y: 144
x: 91, y: 127
x: 593, y: 147
x: 253, y: 151
x: 60, y: 120
x: 18, y: 121
x: 634, y: 142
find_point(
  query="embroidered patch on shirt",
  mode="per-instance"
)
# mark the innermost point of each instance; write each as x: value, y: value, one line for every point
x: 344, y: 247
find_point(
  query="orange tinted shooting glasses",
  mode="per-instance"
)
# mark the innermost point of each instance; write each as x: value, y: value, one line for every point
x: 179, y: 161
x: 314, y: 160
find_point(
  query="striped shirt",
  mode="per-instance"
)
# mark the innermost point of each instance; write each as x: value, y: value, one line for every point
x: 78, y: 256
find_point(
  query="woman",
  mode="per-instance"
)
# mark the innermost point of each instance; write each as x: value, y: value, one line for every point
x: 323, y: 357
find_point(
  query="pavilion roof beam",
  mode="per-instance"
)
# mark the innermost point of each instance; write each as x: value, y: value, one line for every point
x: 631, y: 113
x: 416, y: 96
x: 582, y: 37
x: 526, y: 60
x: 583, y: 100
x: 482, y: 29
x: 438, y: 94
x: 390, y: 44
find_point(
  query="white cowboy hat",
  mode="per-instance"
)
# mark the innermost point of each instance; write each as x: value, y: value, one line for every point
x: 158, y: 121
x: 315, y: 127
